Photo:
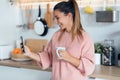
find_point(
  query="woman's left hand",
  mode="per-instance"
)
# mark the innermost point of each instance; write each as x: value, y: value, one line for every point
x: 64, y: 55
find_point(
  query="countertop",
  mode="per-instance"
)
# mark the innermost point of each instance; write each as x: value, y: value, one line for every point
x: 106, y: 72
x: 22, y: 64
x: 101, y: 71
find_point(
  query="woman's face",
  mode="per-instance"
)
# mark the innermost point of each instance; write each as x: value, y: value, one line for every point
x: 64, y: 20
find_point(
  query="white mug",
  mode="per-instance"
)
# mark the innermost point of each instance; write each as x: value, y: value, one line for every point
x: 57, y: 53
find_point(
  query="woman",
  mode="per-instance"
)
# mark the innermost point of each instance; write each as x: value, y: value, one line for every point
x: 77, y: 61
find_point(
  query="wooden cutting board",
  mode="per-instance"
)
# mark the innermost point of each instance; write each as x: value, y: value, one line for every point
x: 49, y: 16
x: 36, y: 45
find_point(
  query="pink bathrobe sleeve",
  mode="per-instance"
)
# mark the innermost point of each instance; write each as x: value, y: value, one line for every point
x: 87, y: 57
x: 46, y: 57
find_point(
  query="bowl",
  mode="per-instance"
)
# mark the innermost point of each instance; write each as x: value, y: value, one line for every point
x: 20, y: 57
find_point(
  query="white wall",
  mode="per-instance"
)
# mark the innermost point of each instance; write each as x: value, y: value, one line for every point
x: 10, y: 17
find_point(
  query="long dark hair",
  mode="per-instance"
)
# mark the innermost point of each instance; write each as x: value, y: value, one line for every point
x: 71, y: 7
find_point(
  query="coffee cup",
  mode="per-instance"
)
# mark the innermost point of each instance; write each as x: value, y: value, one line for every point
x: 57, y: 53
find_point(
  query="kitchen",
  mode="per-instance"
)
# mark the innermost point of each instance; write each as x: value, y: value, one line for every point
x: 10, y: 18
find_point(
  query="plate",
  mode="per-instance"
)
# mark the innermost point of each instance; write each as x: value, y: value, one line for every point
x: 39, y: 27
x: 21, y: 59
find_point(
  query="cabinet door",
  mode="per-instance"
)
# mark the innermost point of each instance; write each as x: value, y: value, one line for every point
x: 12, y: 73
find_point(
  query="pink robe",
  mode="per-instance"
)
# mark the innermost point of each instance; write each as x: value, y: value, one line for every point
x: 82, y: 49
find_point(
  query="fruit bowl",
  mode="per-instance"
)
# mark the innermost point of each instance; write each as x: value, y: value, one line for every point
x: 19, y: 57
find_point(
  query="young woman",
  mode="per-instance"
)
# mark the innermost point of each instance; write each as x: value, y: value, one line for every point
x: 77, y: 61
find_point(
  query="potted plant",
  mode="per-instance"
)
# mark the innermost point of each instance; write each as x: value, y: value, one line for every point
x: 98, y: 51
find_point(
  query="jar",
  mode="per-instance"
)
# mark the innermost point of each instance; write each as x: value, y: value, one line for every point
x: 108, y: 56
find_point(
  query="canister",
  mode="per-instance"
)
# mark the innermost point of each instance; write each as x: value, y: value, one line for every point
x: 108, y: 56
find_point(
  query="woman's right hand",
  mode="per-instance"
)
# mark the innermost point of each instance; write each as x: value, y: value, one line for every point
x: 27, y: 51
x: 31, y: 54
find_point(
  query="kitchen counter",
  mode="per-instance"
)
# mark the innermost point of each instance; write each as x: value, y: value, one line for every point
x: 106, y: 72
x: 22, y: 64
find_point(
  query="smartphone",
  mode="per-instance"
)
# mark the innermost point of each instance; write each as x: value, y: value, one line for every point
x: 22, y: 45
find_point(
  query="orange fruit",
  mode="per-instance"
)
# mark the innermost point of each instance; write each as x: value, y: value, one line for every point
x: 17, y: 51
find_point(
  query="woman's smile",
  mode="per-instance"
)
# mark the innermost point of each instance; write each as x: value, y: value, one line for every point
x: 64, y: 21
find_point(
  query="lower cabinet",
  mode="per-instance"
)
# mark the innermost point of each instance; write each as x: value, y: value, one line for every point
x: 12, y: 73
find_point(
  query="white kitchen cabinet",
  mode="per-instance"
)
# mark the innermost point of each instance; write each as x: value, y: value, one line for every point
x: 12, y: 73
